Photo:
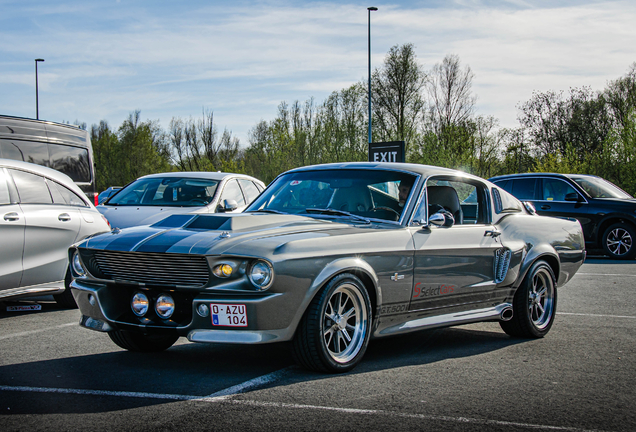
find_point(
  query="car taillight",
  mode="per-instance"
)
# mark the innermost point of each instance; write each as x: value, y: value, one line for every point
x: 96, y: 196
x: 106, y: 220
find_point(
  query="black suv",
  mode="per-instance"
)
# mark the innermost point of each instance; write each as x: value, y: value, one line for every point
x: 606, y: 212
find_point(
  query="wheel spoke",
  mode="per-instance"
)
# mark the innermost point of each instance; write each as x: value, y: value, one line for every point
x: 328, y: 336
x: 345, y: 336
x: 540, y: 308
x: 348, y: 313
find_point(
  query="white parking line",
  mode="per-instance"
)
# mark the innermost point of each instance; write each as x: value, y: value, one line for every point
x: 30, y: 332
x: 252, y: 403
x: 247, y: 385
x: 597, y: 315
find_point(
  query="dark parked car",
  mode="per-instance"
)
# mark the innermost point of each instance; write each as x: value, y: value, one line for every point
x: 104, y: 195
x: 327, y: 257
x: 606, y: 212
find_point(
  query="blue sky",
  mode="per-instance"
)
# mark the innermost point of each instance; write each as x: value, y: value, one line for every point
x: 240, y: 59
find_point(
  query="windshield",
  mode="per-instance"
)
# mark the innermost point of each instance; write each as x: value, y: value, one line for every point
x: 166, y: 192
x: 373, y: 194
x: 597, y: 187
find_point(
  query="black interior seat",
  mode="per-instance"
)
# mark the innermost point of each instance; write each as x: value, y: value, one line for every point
x: 446, y: 197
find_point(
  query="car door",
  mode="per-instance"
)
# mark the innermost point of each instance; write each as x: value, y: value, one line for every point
x: 454, y: 265
x: 51, y: 227
x: 552, y: 202
x: 12, y: 234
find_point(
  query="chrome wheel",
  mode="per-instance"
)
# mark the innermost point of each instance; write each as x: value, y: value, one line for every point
x: 345, y: 323
x: 618, y: 241
x: 541, y: 299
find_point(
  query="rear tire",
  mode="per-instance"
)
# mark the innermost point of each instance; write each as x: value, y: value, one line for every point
x: 534, y: 304
x: 139, y: 342
x: 334, y: 332
x: 66, y: 299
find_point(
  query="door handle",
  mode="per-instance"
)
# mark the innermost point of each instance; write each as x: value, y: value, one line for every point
x: 10, y: 217
x: 545, y: 207
x: 494, y: 233
x: 64, y: 217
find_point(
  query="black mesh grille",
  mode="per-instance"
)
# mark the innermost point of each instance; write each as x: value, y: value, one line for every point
x: 160, y: 269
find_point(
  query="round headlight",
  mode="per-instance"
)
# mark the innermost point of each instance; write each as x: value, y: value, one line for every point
x: 164, y: 306
x: 139, y: 304
x: 76, y: 263
x: 261, y: 275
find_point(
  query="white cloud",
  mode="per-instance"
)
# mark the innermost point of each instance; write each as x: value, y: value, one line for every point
x: 106, y: 59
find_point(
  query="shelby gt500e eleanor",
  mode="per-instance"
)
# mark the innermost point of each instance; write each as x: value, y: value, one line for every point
x: 329, y: 256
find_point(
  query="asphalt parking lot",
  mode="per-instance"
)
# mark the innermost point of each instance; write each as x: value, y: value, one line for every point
x: 55, y: 375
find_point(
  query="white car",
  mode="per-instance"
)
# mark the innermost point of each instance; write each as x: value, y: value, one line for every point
x: 154, y: 197
x: 42, y: 213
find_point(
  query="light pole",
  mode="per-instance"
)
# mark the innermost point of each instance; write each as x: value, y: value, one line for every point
x: 372, y: 8
x: 37, y: 112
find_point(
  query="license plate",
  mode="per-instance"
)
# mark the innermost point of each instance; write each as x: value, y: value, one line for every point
x: 234, y: 315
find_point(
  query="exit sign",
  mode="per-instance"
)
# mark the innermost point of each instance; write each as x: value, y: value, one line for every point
x: 392, y: 151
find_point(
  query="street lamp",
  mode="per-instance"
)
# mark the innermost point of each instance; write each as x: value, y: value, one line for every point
x: 37, y: 113
x: 370, y: 9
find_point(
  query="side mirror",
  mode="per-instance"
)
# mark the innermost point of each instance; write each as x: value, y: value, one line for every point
x: 572, y: 196
x: 437, y: 219
x: 228, y: 206
x: 530, y: 207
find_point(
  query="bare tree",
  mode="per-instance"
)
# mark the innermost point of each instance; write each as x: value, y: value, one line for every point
x: 450, y: 89
x: 397, y: 95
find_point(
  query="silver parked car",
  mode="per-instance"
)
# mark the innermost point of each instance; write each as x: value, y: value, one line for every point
x: 329, y: 256
x: 154, y: 197
x: 42, y: 213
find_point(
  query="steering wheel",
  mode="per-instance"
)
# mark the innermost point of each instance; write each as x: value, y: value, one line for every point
x: 386, y: 208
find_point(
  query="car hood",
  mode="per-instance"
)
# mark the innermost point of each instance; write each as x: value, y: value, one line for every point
x: 129, y: 216
x: 214, y: 234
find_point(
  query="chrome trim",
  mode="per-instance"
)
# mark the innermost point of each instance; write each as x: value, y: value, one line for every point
x: 93, y: 324
x: 447, y: 320
x: 48, y: 288
x: 234, y: 336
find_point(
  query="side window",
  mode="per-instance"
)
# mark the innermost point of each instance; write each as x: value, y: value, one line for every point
x: 505, y: 202
x: 63, y: 195
x: 523, y: 188
x: 29, y: 151
x: 10, y: 150
x: 467, y: 202
x: 250, y: 191
x: 555, y: 189
x: 232, y: 191
x: 72, y: 161
x: 32, y: 188
x: 4, y: 188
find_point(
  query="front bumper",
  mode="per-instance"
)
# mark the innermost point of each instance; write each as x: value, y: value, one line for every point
x: 107, y: 308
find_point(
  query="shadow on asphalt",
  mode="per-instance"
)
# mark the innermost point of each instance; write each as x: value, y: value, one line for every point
x: 202, y: 369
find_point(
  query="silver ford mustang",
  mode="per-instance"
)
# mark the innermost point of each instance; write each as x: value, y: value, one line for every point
x: 327, y: 257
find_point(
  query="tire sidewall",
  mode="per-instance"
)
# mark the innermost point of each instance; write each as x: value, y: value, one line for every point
x: 325, y: 296
x: 627, y: 227
x: 522, y: 302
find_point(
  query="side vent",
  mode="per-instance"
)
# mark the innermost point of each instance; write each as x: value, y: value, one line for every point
x: 502, y: 262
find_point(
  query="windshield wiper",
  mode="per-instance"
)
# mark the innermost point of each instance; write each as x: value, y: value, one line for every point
x: 266, y: 211
x: 335, y: 212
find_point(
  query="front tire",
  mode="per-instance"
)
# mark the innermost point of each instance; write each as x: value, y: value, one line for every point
x: 618, y: 241
x: 534, y: 304
x: 334, y: 332
x: 139, y: 342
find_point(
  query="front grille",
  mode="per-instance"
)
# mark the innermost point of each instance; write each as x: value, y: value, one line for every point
x: 502, y: 262
x: 159, y: 269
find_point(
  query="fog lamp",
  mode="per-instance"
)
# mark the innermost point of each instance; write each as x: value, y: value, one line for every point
x: 261, y: 275
x: 164, y: 306
x: 203, y: 310
x: 139, y: 304
x: 223, y: 270
x: 77, y: 264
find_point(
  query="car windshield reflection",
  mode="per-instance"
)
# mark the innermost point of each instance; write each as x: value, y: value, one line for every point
x: 356, y: 194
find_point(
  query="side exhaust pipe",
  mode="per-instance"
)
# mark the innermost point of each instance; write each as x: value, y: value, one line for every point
x: 506, y: 314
